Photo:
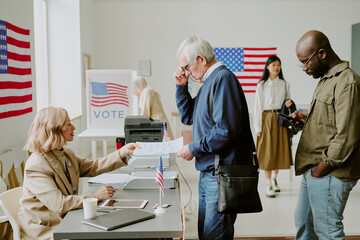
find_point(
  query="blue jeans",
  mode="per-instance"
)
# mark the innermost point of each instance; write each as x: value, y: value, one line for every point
x: 320, y: 207
x: 211, y: 224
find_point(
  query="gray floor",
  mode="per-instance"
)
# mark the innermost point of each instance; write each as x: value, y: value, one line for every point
x: 277, y: 216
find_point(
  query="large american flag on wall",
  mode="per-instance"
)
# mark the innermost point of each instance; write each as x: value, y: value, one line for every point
x: 104, y: 94
x: 15, y: 71
x: 246, y: 63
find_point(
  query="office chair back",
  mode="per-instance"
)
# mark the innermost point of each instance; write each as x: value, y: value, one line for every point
x: 10, y: 205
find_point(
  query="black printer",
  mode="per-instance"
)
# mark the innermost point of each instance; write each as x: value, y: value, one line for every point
x: 143, y: 129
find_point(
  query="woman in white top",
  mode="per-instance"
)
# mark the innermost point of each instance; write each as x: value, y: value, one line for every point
x: 149, y: 102
x: 273, y: 143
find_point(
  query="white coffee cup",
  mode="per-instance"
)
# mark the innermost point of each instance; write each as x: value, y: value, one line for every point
x: 90, y: 205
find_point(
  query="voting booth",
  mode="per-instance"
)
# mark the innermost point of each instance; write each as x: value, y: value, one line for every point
x: 109, y: 100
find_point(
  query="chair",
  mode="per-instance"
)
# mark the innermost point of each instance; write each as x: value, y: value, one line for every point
x: 8, y: 173
x: 10, y: 205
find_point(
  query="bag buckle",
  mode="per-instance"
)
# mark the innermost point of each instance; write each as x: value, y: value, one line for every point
x: 229, y: 181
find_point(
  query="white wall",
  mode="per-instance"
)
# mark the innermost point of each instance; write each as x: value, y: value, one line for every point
x: 129, y: 31
x: 13, y: 131
x: 87, y: 33
x: 65, y: 55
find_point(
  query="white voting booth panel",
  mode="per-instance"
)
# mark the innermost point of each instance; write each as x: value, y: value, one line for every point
x: 109, y: 100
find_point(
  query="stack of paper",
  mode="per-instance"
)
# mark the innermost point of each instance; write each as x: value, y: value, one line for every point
x: 111, y: 178
x: 149, y: 161
x: 151, y: 174
x: 159, y: 147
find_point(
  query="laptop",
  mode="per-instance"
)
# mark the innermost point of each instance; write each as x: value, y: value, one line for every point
x: 118, y: 219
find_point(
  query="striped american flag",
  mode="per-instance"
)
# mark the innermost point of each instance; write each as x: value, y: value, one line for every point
x: 104, y: 94
x: 159, y: 176
x: 246, y: 63
x: 15, y: 71
x: 166, y: 137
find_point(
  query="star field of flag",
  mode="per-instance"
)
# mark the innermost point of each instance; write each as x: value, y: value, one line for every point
x: 246, y: 63
x: 233, y: 58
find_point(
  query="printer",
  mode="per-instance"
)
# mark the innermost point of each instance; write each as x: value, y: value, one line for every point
x: 143, y: 129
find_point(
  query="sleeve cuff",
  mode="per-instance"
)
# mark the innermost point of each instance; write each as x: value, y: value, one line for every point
x: 334, y: 163
x: 192, y: 149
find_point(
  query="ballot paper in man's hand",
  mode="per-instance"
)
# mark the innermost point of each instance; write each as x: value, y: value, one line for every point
x: 148, y: 148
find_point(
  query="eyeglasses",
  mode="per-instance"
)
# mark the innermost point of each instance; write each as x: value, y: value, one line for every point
x: 186, y: 68
x: 303, y: 64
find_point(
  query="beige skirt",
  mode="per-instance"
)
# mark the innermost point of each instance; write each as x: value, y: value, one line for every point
x: 273, y: 147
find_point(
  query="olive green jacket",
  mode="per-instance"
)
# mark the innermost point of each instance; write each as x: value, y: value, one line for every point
x: 332, y: 129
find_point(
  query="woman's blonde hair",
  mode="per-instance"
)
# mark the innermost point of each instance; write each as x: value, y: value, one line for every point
x: 45, y: 133
x: 139, y: 83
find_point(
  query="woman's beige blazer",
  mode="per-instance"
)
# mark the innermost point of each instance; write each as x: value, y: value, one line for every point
x: 47, y: 193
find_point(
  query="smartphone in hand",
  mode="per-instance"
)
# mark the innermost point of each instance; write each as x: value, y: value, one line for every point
x: 296, y: 121
x: 288, y: 117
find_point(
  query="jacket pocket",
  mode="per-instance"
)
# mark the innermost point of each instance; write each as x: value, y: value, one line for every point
x: 323, y: 111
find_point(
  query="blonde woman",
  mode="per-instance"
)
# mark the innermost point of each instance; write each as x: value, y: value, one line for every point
x: 52, y: 172
x: 149, y: 102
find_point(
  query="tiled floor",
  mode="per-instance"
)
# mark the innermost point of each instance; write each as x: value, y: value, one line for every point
x: 276, y: 220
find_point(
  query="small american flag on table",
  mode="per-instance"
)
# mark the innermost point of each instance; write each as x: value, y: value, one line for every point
x: 159, y: 179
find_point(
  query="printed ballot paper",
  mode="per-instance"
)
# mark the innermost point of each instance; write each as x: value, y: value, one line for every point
x: 148, y: 148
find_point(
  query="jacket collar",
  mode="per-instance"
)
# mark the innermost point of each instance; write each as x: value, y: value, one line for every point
x: 336, y: 70
x: 215, y: 71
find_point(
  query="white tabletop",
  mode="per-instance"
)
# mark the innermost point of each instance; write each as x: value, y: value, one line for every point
x: 101, y: 133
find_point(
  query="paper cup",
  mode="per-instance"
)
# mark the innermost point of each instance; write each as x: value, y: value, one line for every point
x: 90, y: 206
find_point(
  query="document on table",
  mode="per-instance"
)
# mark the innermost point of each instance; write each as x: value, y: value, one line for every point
x: 111, y: 178
x: 159, y: 147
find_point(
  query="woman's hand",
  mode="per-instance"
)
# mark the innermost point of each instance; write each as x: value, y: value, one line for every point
x: 104, y: 192
x: 288, y: 103
x: 128, y: 149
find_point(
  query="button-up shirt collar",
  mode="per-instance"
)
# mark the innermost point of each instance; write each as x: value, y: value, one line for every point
x: 211, y: 69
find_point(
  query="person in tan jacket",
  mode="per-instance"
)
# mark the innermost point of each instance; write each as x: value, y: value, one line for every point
x: 52, y: 172
x: 149, y: 102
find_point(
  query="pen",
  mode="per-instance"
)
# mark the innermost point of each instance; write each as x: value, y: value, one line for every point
x: 143, y: 167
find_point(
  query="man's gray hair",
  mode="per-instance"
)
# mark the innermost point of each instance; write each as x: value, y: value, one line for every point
x: 193, y: 46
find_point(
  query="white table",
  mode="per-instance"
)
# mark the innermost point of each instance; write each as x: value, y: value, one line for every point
x: 100, y: 135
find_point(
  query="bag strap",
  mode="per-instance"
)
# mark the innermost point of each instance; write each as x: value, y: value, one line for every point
x: 217, y: 157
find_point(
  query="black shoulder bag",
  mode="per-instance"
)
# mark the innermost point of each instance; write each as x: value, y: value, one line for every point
x: 237, y: 184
